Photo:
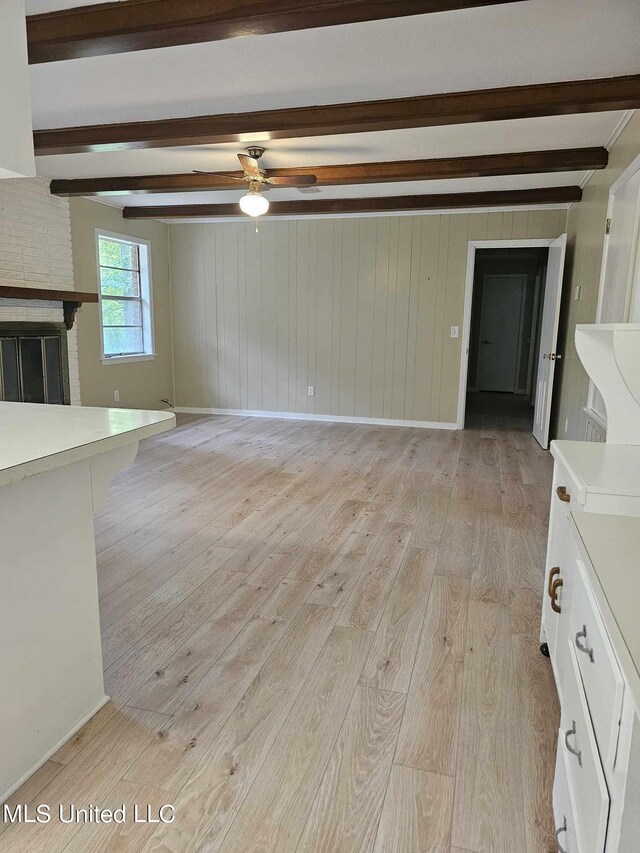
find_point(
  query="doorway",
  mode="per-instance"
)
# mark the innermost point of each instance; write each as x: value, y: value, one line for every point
x: 512, y: 305
x: 503, y: 316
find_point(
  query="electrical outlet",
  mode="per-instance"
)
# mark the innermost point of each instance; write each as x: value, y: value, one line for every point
x: 116, y: 396
x: 455, y: 331
x: 311, y: 391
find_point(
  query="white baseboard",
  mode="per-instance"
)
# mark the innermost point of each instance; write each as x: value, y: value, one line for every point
x: 304, y: 416
x: 61, y: 742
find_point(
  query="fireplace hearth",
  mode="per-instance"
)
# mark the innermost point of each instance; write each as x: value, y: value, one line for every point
x: 34, y: 363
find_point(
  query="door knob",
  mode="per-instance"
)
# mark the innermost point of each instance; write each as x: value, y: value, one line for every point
x: 485, y: 341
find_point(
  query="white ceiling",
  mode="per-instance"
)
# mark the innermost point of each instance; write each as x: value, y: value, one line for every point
x: 517, y: 43
x: 35, y: 7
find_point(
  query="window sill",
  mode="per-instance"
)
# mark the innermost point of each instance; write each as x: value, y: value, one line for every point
x: 129, y: 359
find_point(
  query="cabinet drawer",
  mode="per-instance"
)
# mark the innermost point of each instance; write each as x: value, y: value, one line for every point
x: 601, y: 676
x: 562, y: 808
x: 577, y: 743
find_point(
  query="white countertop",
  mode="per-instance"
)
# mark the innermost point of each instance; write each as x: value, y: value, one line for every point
x: 36, y: 437
x: 604, y: 468
x: 611, y: 544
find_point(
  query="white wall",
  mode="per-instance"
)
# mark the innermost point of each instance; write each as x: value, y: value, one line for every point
x: 16, y: 136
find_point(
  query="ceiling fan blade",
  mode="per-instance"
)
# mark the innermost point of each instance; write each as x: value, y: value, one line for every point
x: 225, y: 175
x: 250, y: 165
x: 292, y: 181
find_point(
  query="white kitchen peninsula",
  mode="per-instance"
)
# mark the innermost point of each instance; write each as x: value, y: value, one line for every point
x: 56, y: 464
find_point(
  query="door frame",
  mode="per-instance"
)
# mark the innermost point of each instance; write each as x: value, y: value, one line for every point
x: 473, y: 246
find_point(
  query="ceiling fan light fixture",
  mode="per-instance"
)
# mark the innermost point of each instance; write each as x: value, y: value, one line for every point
x: 254, y: 203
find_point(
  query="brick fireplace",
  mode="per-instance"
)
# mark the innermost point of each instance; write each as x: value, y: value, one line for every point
x: 35, y: 253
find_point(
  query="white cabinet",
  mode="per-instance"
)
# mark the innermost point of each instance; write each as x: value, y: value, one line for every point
x: 594, y: 644
x: 563, y: 807
x: 577, y: 742
x: 587, y: 477
x: 596, y: 667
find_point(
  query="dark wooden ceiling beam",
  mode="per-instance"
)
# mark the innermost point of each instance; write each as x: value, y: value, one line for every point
x: 391, y: 204
x: 107, y: 28
x: 513, y: 102
x: 486, y: 165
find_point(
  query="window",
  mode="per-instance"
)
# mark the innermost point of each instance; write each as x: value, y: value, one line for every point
x: 125, y: 298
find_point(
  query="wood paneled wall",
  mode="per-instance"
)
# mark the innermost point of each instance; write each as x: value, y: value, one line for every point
x: 360, y: 308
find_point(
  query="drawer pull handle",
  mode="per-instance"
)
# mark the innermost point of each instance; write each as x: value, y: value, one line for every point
x: 554, y: 595
x: 562, y: 829
x: 572, y: 750
x: 561, y: 492
x: 552, y: 574
x: 583, y: 635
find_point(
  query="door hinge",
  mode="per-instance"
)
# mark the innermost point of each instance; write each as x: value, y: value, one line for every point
x: 607, y: 229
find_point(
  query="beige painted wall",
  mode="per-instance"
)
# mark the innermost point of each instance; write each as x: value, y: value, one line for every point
x: 142, y: 384
x: 360, y: 308
x: 586, y: 231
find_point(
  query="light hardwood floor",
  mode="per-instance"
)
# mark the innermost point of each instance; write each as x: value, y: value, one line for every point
x: 319, y: 637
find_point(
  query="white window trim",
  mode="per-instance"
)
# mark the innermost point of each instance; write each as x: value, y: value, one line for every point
x: 146, y: 289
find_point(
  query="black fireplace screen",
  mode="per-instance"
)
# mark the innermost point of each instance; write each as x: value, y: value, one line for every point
x: 33, y: 365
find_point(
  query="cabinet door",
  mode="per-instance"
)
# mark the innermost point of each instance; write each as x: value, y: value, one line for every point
x: 601, y: 677
x: 562, y: 808
x: 560, y: 566
x: 576, y: 740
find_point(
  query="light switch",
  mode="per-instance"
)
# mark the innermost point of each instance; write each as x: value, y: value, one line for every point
x: 455, y: 331
x: 577, y: 293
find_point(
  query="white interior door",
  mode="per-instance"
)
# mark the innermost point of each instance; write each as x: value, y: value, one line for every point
x: 548, y: 340
x: 500, y: 322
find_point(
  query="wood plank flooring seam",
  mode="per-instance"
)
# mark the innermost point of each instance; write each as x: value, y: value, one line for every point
x: 167, y: 615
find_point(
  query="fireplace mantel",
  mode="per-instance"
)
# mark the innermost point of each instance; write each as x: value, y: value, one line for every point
x: 71, y: 299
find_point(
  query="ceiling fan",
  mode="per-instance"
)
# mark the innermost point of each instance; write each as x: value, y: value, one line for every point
x: 254, y: 203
